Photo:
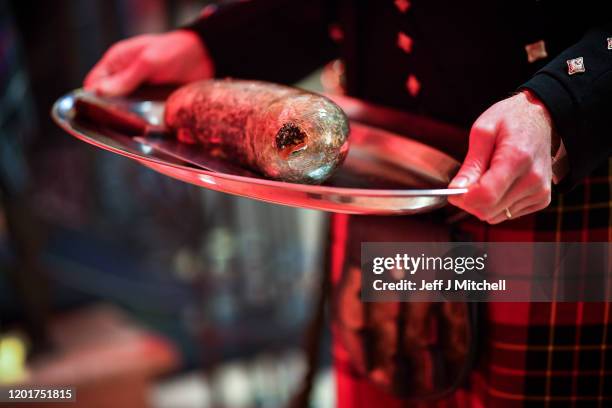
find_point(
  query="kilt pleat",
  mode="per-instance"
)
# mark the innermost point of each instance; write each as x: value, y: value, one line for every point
x: 538, y: 354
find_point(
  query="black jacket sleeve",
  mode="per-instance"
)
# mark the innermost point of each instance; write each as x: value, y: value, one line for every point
x: 275, y: 40
x: 580, y: 104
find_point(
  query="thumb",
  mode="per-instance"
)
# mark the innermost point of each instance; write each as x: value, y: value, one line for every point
x: 482, y: 144
x: 126, y: 80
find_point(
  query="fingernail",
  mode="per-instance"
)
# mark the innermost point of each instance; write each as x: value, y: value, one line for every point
x: 459, y: 182
x: 105, y: 87
x: 98, y: 90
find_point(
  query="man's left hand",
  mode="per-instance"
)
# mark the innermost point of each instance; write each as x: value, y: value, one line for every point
x: 507, y: 169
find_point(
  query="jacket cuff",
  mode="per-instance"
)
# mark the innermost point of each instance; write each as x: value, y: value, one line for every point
x: 563, y: 112
x: 201, y: 27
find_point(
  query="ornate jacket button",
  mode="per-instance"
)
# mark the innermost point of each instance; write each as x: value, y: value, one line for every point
x: 402, y: 5
x: 404, y: 42
x: 575, y: 66
x: 413, y: 85
x: 536, y: 51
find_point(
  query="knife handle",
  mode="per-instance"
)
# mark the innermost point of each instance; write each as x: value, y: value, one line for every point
x: 112, y: 117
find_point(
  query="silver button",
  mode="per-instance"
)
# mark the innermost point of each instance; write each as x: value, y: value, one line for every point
x: 208, y: 10
x: 402, y: 5
x: 336, y: 33
x: 575, y: 66
x: 536, y: 51
x: 404, y: 42
x: 413, y: 85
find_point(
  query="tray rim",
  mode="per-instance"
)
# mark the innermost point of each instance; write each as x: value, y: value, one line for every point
x: 63, y: 123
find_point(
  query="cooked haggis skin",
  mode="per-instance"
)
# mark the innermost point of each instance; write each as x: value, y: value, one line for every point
x: 281, y: 132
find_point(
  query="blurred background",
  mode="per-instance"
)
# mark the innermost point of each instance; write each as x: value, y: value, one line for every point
x: 137, y: 289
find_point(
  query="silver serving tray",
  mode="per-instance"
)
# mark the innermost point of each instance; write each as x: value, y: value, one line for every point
x: 383, y: 174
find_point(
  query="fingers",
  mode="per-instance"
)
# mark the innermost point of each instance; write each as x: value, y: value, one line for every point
x: 99, y: 71
x: 104, y: 67
x: 173, y: 57
x: 480, y: 152
x: 530, y: 188
x: 482, y: 143
x: 506, y: 167
x: 124, y: 81
x: 508, y: 161
x: 119, y: 57
x: 533, y: 208
x: 525, y: 186
x: 533, y: 189
x: 522, y: 207
x: 522, y: 188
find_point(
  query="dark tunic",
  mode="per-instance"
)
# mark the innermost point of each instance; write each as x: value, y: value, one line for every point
x: 450, y: 61
x: 464, y: 56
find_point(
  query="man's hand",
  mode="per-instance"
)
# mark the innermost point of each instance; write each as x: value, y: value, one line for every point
x: 175, y: 57
x: 508, y: 164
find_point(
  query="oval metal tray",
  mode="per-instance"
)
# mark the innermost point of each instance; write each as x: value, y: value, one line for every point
x: 383, y: 174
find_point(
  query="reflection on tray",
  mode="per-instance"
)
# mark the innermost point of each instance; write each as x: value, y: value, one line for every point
x: 383, y: 174
x: 361, y: 170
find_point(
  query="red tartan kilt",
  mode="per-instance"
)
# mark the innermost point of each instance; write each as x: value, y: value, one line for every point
x: 531, y: 354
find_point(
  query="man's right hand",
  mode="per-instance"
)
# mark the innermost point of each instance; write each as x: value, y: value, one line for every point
x: 171, y: 58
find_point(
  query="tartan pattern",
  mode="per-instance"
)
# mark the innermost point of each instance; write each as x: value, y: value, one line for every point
x: 532, y: 354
